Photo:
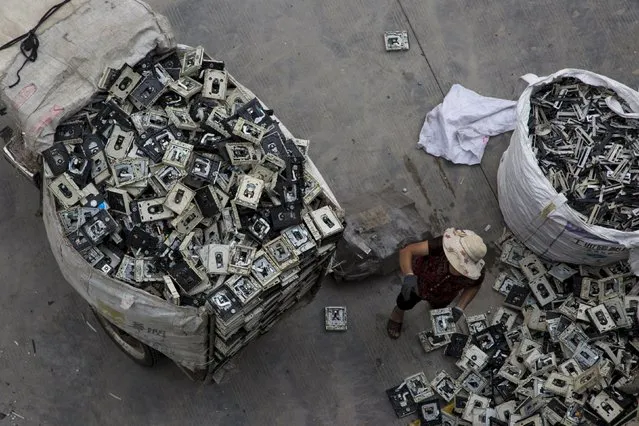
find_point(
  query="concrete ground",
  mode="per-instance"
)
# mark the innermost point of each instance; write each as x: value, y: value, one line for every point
x: 322, y: 66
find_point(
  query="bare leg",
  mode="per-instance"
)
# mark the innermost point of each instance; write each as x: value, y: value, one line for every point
x: 397, y: 315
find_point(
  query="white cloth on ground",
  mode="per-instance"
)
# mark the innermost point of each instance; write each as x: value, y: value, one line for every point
x: 458, y: 129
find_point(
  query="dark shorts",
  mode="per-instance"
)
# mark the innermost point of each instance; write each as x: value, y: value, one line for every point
x: 414, y: 299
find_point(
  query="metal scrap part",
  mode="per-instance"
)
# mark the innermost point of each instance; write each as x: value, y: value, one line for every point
x: 587, y: 151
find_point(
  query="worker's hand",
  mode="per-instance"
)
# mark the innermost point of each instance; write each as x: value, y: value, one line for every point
x: 409, y: 286
x: 457, y: 313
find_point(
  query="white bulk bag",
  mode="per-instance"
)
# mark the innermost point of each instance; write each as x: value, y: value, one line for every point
x: 76, y: 44
x: 536, y: 213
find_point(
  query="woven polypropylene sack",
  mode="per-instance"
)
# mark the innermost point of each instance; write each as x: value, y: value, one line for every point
x: 535, y: 212
x: 76, y: 44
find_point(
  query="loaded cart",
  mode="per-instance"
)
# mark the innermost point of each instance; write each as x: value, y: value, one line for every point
x: 174, y: 200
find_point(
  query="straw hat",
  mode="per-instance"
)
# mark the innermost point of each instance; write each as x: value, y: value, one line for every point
x: 465, y: 251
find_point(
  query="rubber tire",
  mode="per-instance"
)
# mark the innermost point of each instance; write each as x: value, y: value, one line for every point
x: 140, y: 353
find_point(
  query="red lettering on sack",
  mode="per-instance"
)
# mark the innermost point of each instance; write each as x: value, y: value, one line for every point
x: 46, y: 119
x: 24, y: 95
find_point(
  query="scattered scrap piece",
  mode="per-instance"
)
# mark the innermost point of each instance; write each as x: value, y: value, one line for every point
x: 396, y: 40
x: 335, y: 318
x: 443, y: 321
x: 401, y: 400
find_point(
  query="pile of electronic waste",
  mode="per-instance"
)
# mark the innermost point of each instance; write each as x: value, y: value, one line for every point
x: 176, y: 180
x: 588, y: 150
x: 559, y: 351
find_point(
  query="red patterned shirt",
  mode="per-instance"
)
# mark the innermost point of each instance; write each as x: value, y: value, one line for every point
x: 435, y: 282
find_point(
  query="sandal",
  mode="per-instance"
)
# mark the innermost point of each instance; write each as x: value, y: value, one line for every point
x: 394, y: 329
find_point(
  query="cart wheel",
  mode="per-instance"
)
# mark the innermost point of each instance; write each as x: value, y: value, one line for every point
x: 132, y: 347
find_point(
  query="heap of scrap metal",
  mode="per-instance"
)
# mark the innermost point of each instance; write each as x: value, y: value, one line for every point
x: 176, y: 180
x: 587, y: 151
x: 559, y: 351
